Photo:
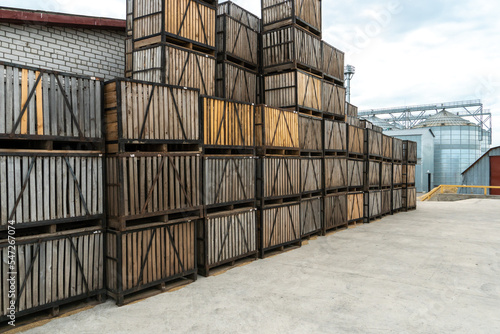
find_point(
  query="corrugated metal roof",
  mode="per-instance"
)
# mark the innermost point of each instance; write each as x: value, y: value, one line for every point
x: 484, y: 155
x: 444, y: 118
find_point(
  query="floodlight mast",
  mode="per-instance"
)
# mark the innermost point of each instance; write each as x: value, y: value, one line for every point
x: 349, y: 72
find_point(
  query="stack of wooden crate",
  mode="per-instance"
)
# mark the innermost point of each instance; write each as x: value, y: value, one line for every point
x: 278, y: 178
x: 373, y: 174
x: 238, y: 44
x: 229, y: 230
x: 409, y: 165
x: 356, y: 173
x: 397, y: 175
x: 153, y: 184
x: 51, y: 190
x: 173, y: 42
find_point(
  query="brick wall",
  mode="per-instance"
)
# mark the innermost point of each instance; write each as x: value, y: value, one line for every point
x: 91, y: 52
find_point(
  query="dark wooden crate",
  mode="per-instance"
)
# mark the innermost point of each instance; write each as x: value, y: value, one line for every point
x: 335, y: 211
x: 240, y: 14
x: 333, y: 63
x: 311, y: 216
x: 236, y: 82
x: 279, y: 13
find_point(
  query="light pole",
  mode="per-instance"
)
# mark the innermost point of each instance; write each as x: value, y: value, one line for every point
x: 429, y: 180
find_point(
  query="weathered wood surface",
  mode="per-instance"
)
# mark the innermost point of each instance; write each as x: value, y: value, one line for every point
x: 137, y: 112
x: 386, y: 178
x: 336, y: 173
x: 290, y: 47
x: 355, y: 206
x: 397, y: 149
x: 335, y: 136
x: 150, y: 184
x: 408, y: 174
x: 129, y: 56
x: 180, y: 67
x: 311, y: 212
x: 410, y: 198
x: 279, y: 225
x: 52, y: 269
x: 140, y: 257
x: 310, y: 133
x: 296, y: 89
x: 397, y: 199
x: 311, y: 175
x: 280, y: 176
x: 386, y: 201
x: 225, y: 237
x: 236, y: 82
x: 279, y: 13
x: 228, y: 179
x: 374, y: 200
x: 409, y: 151
x: 130, y: 17
x: 333, y: 99
x: 374, y: 143
x: 185, y: 21
x: 38, y: 102
x: 228, y: 123
x: 276, y: 128
x: 239, y: 14
x: 351, y: 110
x: 356, y: 140
x: 374, y: 173
x: 335, y: 211
x: 387, y: 147
x: 397, y: 175
x: 355, y: 173
x: 42, y: 186
x: 333, y: 62
x: 237, y: 40
x: 353, y: 121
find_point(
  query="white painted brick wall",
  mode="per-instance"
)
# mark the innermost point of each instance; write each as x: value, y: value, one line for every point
x: 91, y: 52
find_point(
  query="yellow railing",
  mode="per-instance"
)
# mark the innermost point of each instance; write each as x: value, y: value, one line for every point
x: 449, y: 189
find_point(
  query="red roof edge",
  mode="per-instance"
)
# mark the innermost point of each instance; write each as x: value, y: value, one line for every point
x: 20, y: 16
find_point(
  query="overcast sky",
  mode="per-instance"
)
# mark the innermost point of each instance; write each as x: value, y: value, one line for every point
x: 405, y: 52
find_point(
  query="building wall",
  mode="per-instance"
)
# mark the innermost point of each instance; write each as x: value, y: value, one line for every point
x: 90, y: 52
x: 479, y: 174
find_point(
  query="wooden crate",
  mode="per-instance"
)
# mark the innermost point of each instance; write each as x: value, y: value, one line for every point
x: 226, y: 237
x: 228, y: 124
x: 290, y: 48
x: 397, y: 199
x: 183, y: 22
x: 387, y: 148
x: 162, y: 185
x: 235, y: 82
x: 386, y: 201
x: 408, y: 174
x: 52, y: 270
x: 351, y: 110
x: 279, y: 225
x: 356, y: 141
x: 410, y: 198
x: 141, y: 113
x: 355, y: 174
x: 335, y: 137
x: 237, y: 42
x: 397, y: 174
x: 129, y: 56
x: 373, y: 204
x: 276, y: 128
x: 148, y: 256
x: 228, y: 179
x: 386, y: 174
x: 333, y: 100
x: 311, y: 175
x: 298, y: 90
x: 39, y: 104
x: 130, y: 17
x: 355, y: 206
x: 239, y: 14
x: 310, y: 134
x: 335, y: 211
x: 311, y: 216
x: 278, y: 177
x: 336, y: 174
x: 333, y: 63
x: 409, y: 151
x: 397, y: 149
x: 373, y: 144
x: 374, y: 174
x: 279, y: 13
x: 169, y: 64
x: 353, y: 121
x: 50, y: 187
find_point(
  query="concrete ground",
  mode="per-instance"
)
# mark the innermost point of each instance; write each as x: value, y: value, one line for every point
x: 435, y: 270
